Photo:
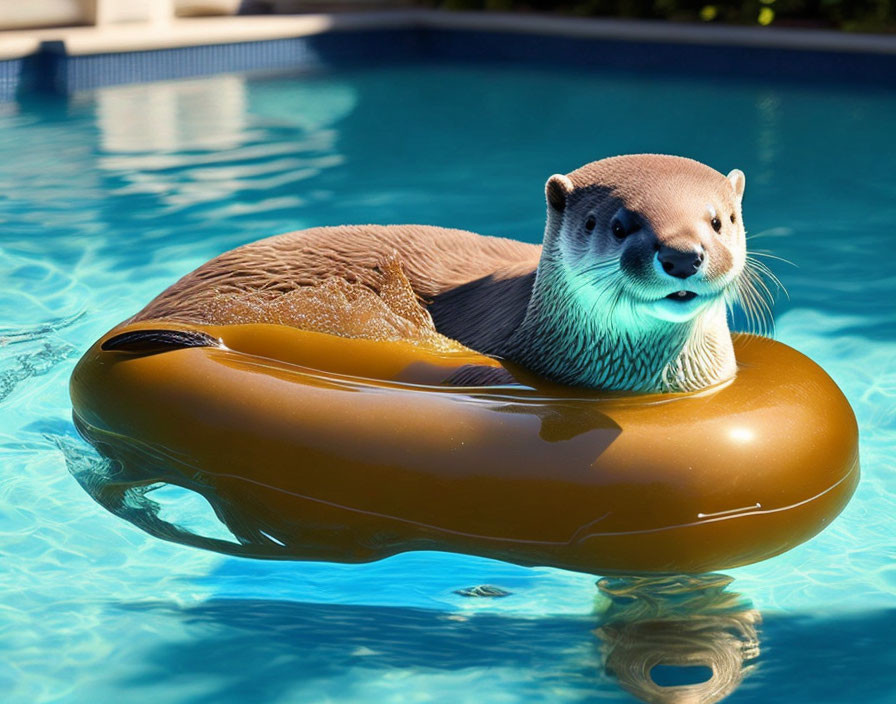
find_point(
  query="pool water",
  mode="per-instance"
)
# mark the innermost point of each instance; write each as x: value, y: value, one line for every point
x: 107, y: 197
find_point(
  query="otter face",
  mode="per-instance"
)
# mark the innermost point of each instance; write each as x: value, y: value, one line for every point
x: 647, y: 239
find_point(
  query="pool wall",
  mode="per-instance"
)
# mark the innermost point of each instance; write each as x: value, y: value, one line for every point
x: 80, y: 59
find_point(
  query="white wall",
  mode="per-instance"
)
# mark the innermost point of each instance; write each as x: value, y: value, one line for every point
x: 24, y: 14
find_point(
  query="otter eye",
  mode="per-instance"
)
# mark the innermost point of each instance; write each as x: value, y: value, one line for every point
x: 732, y: 218
x: 618, y: 229
x: 716, y: 224
x: 590, y: 223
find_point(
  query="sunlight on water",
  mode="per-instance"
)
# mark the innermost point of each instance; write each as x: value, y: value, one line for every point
x: 108, y: 197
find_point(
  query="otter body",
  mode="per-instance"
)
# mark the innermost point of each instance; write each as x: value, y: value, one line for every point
x: 641, y: 256
x: 476, y: 288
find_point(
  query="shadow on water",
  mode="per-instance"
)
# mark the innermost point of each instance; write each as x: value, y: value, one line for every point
x: 662, y: 640
x: 262, y: 649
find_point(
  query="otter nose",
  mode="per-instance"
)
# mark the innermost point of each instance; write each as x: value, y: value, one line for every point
x: 678, y: 263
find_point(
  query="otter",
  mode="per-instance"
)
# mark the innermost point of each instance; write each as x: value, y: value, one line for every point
x: 641, y: 257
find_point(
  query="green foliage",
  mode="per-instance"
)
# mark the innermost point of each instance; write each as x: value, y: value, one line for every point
x: 850, y: 15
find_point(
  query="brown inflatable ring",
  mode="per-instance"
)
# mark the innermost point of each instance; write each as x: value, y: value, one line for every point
x: 311, y: 446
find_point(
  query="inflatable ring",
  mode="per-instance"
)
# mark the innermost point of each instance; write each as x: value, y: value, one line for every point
x: 310, y: 446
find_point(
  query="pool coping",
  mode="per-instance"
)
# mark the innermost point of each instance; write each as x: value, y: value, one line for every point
x: 68, y: 59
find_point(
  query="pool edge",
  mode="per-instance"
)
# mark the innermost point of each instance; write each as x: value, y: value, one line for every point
x: 67, y: 60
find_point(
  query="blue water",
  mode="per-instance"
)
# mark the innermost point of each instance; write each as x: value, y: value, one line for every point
x: 107, y: 197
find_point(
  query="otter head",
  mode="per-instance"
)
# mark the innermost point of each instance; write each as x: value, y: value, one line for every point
x: 660, y: 238
x: 641, y: 256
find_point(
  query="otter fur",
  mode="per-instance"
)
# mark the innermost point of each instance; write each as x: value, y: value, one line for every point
x: 641, y: 257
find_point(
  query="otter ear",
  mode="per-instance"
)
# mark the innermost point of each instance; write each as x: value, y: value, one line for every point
x: 557, y: 189
x: 738, y: 182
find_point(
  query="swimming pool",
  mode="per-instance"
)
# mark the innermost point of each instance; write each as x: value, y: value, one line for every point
x: 108, y: 196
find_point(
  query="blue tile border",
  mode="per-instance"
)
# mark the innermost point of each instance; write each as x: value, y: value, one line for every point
x: 75, y: 73
x: 11, y: 71
x: 54, y: 71
x: 665, y: 58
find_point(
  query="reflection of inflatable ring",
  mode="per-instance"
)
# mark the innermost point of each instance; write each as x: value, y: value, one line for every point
x: 688, y: 627
x: 310, y: 446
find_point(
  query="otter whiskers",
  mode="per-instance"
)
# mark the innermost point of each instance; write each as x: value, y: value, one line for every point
x: 754, y: 295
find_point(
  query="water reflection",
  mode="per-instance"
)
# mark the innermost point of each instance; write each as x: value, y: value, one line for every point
x: 677, y: 639
x: 218, y: 147
x: 201, y: 114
